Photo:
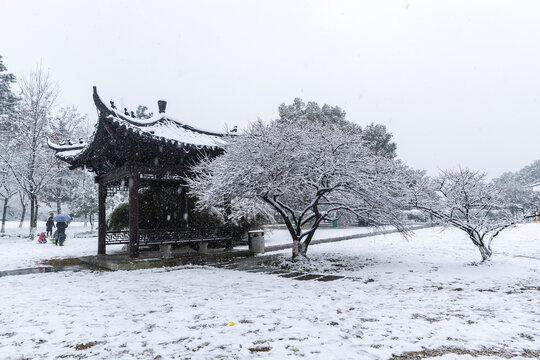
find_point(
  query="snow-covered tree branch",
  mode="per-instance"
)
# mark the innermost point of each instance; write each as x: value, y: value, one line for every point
x: 465, y: 200
x: 68, y: 125
x: 32, y: 165
x: 305, y: 171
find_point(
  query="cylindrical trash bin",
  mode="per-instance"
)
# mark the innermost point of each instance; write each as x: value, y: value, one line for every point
x: 256, y: 241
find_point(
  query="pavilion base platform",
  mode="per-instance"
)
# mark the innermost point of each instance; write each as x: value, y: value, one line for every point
x: 167, y: 258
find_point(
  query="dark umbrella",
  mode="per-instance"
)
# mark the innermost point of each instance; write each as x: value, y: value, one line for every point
x: 61, y: 218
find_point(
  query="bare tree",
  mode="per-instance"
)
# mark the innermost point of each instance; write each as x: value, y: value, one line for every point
x: 8, y: 188
x: 307, y: 172
x: 465, y: 200
x: 23, y: 199
x: 32, y: 167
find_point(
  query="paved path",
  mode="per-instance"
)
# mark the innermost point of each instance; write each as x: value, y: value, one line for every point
x: 348, y: 237
x: 44, y: 269
x: 527, y: 257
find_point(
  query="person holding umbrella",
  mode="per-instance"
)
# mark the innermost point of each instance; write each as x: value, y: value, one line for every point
x: 61, y: 225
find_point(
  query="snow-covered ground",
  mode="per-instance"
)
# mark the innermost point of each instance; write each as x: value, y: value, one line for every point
x: 19, y: 252
x: 422, y: 295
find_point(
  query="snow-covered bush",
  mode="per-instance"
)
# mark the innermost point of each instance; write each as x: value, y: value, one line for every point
x: 162, y: 209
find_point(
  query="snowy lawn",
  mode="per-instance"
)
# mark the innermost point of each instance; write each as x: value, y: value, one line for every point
x: 18, y: 252
x: 420, y: 298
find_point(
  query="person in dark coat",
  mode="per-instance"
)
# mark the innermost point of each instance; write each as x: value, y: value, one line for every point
x: 50, y: 224
x: 61, y: 228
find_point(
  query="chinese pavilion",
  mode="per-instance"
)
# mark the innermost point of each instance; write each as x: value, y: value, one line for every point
x: 128, y: 154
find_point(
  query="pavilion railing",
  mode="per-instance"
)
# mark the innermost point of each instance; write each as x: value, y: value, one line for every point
x: 116, y: 237
x: 170, y: 236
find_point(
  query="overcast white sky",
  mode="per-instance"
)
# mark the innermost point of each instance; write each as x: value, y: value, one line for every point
x: 456, y: 82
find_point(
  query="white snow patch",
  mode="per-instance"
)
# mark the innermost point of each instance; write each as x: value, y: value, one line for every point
x: 19, y: 252
x: 401, y: 296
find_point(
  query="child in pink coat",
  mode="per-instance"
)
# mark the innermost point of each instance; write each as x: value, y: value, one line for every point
x: 42, y: 239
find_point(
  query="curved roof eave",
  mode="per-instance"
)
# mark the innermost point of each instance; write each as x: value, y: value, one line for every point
x: 60, y: 147
x: 68, y: 153
x: 107, y: 111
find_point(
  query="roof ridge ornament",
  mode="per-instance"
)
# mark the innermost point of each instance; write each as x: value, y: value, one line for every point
x: 162, y: 106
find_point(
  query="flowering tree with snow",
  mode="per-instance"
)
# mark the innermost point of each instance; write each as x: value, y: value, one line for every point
x: 305, y: 171
x: 465, y: 200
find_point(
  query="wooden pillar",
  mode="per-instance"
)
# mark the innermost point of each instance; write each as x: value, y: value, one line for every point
x: 134, y: 215
x: 102, y: 226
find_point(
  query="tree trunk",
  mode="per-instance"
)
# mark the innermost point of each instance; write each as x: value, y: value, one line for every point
x: 486, y: 252
x: 58, y: 206
x: 23, y: 214
x: 91, y: 222
x: 299, y: 248
x: 483, y: 246
x: 304, y: 245
x: 4, y: 214
x: 86, y: 220
x: 296, y: 248
x: 59, y: 197
x: 303, y: 248
x: 33, y: 215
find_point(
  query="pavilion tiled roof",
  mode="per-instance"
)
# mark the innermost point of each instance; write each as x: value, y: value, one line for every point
x: 161, y: 128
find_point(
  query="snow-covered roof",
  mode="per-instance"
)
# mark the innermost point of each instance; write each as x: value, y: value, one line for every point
x: 162, y: 127
x: 165, y: 128
x: 67, y: 154
x: 159, y: 129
